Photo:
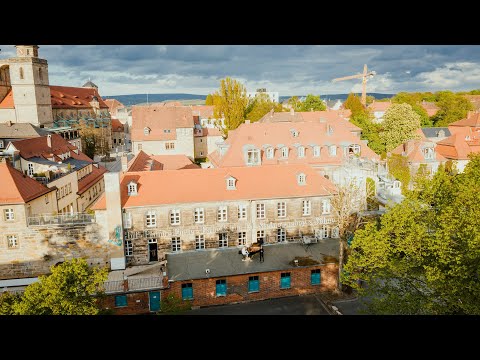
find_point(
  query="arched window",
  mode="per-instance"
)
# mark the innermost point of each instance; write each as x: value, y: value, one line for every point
x: 270, y: 153
x: 21, y: 73
x: 40, y: 74
x: 146, y: 131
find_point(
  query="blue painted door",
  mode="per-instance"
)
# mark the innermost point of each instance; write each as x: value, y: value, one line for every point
x: 253, y: 284
x: 315, y: 277
x: 154, y: 297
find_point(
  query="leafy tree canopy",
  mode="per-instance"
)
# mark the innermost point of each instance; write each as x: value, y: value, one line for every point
x: 312, y: 103
x: 261, y: 105
x: 230, y: 102
x: 399, y: 125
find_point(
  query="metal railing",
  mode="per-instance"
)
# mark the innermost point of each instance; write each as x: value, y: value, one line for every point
x: 58, y: 220
x: 114, y: 286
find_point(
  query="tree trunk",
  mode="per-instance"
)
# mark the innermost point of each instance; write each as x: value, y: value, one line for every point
x: 340, y: 265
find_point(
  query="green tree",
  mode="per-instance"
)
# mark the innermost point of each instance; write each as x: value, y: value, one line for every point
x: 414, y: 99
x: 172, y: 304
x: 7, y: 301
x: 423, y: 256
x: 453, y: 107
x: 398, y: 167
x: 312, y: 103
x: 260, y: 106
x: 370, y: 99
x: 399, y: 125
x: 209, y: 100
x: 230, y: 102
x: 71, y: 289
x: 295, y: 103
x: 354, y: 104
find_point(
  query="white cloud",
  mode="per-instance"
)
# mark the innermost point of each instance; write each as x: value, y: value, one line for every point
x: 452, y: 75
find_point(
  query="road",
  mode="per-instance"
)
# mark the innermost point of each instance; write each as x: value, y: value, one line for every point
x: 293, y: 305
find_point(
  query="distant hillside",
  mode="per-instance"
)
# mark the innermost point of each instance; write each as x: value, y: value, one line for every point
x: 342, y: 97
x: 134, y: 99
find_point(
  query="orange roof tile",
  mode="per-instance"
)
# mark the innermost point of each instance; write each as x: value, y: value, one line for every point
x: 429, y: 107
x: 260, y: 135
x: 85, y: 183
x: 412, y: 149
x: 66, y: 97
x: 380, y: 106
x: 204, y: 111
x: 113, y: 105
x: 457, y: 146
x: 145, y: 162
x: 209, y: 185
x: 18, y: 188
x: 473, y: 121
x: 117, y: 126
x: 212, y: 132
x: 157, y: 119
x: 7, y: 102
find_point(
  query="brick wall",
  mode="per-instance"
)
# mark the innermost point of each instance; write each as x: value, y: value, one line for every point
x: 137, y: 303
x: 237, y: 286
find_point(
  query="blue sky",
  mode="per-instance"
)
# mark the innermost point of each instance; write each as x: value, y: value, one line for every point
x: 288, y: 69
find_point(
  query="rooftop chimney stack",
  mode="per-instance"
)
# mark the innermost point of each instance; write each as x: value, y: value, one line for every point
x: 49, y: 140
x: 292, y: 111
x: 124, y: 162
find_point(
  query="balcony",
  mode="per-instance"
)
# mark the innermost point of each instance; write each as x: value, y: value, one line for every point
x: 61, y: 220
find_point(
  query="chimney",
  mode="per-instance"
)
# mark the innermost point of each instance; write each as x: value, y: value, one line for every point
x: 9, y: 123
x: 247, y: 121
x: 292, y: 111
x: 124, y: 162
x: 49, y: 140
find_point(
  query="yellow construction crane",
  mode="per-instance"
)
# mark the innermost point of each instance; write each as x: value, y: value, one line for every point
x: 364, y: 77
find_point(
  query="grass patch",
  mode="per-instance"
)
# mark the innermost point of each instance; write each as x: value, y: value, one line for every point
x: 304, y: 261
x: 330, y: 259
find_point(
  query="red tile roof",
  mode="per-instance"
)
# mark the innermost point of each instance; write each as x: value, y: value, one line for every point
x: 18, y: 188
x: 209, y: 185
x: 473, y: 121
x: 430, y: 107
x: 159, y: 118
x: 66, y: 97
x: 212, y: 132
x: 113, y: 105
x: 274, y: 134
x: 38, y: 147
x: 204, y: 111
x: 7, y: 102
x: 117, y: 126
x: 457, y: 146
x: 380, y: 106
x: 144, y: 162
x: 85, y: 183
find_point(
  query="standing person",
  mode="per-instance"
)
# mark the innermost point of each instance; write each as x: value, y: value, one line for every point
x: 244, y: 253
x: 261, y: 254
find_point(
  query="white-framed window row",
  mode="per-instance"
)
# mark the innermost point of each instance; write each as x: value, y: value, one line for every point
x: 301, y: 151
x: 30, y: 169
x: 281, y: 235
x: 128, y: 248
x: 242, y: 238
x: 175, y: 217
x: 127, y: 220
x: 306, y: 207
x: 326, y: 206
x: 260, y: 236
x: 176, y: 244
x: 316, y: 151
x: 282, y: 209
x: 242, y: 212
x: 270, y: 153
x: 261, y: 211
x: 151, y: 218
x: 199, y: 215
x: 222, y: 240
x: 199, y: 242
x: 12, y: 241
x: 2, y: 144
x: 222, y: 213
x: 8, y: 214
x: 284, y: 152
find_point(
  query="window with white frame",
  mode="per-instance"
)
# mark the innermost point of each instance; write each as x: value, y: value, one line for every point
x: 199, y: 242
x: 127, y: 220
x: 270, y: 153
x: 128, y: 248
x: 199, y: 216
x: 175, y: 217
x: 428, y: 153
x: 132, y: 188
x: 301, y: 151
x: 146, y: 131
x: 12, y: 241
x: 242, y: 238
x: 151, y: 218
x: 2, y: 144
x: 325, y: 231
x: 282, y: 209
x: 316, y: 151
x: 170, y: 146
x: 253, y: 157
x: 222, y: 213
x: 242, y: 212
x: 332, y: 150
x: 285, y: 152
x: 335, y: 233
x: 261, y: 236
x: 260, y: 211
x: 326, y: 206
x: 231, y: 183
x: 301, y: 179
x: 176, y: 246
x: 222, y: 240
x: 281, y: 235
x: 354, y: 149
x: 306, y: 207
x: 8, y: 215
x: 30, y: 169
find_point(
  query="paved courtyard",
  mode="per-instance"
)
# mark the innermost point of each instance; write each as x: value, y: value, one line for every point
x: 293, y: 305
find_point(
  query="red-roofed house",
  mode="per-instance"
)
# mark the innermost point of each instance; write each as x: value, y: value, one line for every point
x: 163, y: 130
x: 51, y: 160
x: 429, y: 107
x: 378, y: 109
x: 457, y: 147
x: 144, y: 162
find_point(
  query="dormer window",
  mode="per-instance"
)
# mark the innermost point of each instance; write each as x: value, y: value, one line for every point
x: 428, y: 153
x: 301, y: 179
x: 270, y: 153
x: 132, y: 188
x: 329, y: 129
x: 294, y: 132
x: 441, y: 133
x: 146, y: 131
x: 253, y: 157
x: 354, y: 149
x: 301, y: 151
x: 467, y: 138
x: 166, y: 131
x: 332, y: 150
x: 396, y: 184
x: 231, y: 183
x: 285, y: 152
x: 316, y: 151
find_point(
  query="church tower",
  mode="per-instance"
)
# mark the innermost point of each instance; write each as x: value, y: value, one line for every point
x: 30, y: 86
